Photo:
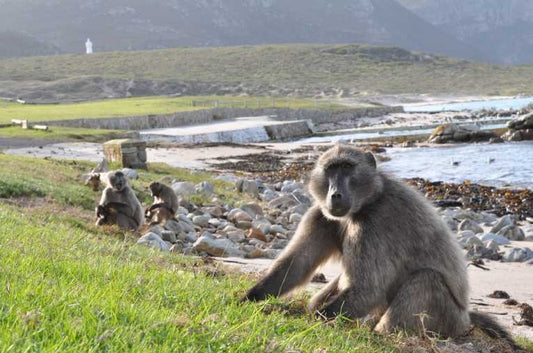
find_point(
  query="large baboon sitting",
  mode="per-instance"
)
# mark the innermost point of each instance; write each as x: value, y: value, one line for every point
x: 401, y: 266
x: 118, y: 204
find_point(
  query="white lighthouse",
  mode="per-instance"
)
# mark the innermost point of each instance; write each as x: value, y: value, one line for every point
x: 89, y: 46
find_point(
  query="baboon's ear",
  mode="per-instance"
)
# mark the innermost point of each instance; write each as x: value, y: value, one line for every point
x: 371, y: 159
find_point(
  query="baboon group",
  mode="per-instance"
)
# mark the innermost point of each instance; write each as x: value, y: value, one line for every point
x: 119, y: 205
x: 402, y: 267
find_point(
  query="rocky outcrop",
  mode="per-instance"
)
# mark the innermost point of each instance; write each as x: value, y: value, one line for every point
x: 520, y: 129
x: 447, y: 133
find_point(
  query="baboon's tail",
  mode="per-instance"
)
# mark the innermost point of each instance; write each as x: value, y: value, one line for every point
x: 491, y: 328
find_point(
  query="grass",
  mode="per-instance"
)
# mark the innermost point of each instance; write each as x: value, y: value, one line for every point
x: 142, y: 106
x: 303, y: 70
x: 59, y: 133
x: 67, y: 286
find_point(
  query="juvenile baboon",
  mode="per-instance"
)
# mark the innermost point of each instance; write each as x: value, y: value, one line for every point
x: 94, y: 181
x: 165, y: 203
x: 119, y: 204
x: 401, y: 266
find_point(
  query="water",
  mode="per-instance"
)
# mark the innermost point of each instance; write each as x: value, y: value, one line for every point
x: 494, y: 165
x: 384, y: 133
x: 497, y: 104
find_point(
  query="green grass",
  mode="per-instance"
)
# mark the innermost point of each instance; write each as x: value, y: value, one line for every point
x: 141, y: 106
x: 67, y: 286
x: 303, y: 70
x: 59, y: 133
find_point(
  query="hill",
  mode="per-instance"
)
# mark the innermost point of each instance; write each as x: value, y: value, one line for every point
x: 277, y: 70
x: 138, y: 25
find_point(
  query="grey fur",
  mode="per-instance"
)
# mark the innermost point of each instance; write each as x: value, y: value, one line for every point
x: 119, y: 204
x: 165, y: 203
x: 401, y: 264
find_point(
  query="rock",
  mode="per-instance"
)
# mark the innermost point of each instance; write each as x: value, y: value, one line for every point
x: 450, y: 222
x: 459, y: 133
x: 217, y: 223
x: 510, y: 302
x: 253, y: 209
x: 256, y: 234
x: 284, y: 202
x: 254, y: 253
x: 319, y: 278
x: 463, y: 237
x: 503, y: 222
x: 229, y: 178
x: 215, y: 211
x: 261, y: 226
x: 257, y: 242
x: 205, y: 187
x: 183, y: 188
x: 238, y: 215
x: 499, y: 294
x: 182, y: 210
x: 236, y: 236
x: 169, y: 236
x: 521, y: 123
x: 517, y: 255
x: 247, y: 186
x: 201, y: 221
x: 153, y: 240
x: 279, y: 243
x: 498, y: 239
x: 468, y: 224
x: 480, y: 252
x: 290, y: 187
x: 301, y: 209
x: 295, y: 218
x: 512, y: 232
x: 157, y: 229
x: 271, y: 253
x: 243, y: 225
x: 229, y: 228
x: 277, y: 228
x: 130, y: 173
x: 176, y: 248
x: 268, y: 195
x: 496, y: 139
x: 216, y: 247
x: 468, y: 214
x: 302, y: 197
x: 492, y: 245
x: 173, y: 226
x: 473, y: 241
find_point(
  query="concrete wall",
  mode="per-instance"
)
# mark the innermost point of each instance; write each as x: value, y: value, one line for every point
x: 146, y: 122
x: 291, y: 129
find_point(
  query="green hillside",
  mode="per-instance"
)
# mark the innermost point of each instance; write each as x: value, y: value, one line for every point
x: 303, y: 70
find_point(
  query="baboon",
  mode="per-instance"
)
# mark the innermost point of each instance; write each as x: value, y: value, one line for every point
x: 165, y: 203
x: 94, y: 181
x: 119, y: 204
x: 402, y: 269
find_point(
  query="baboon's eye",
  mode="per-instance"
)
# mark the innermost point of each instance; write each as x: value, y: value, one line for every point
x: 347, y: 165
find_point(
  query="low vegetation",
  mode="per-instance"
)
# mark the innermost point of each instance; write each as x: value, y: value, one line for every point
x: 146, y: 106
x: 279, y: 70
x: 69, y: 286
x: 64, y: 134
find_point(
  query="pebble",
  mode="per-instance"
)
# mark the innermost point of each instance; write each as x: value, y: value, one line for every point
x: 295, y: 218
x: 201, y: 221
x: 173, y: 226
x: 205, y: 187
x: 503, y: 222
x: 468, y: 224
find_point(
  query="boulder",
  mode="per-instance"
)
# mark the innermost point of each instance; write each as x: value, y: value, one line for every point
x: 201, y: 221
x: 498, y: 239
x: 183, y: 188
x: 173, y: 226
x: 512, y: 232
x: 153, y: 240
x: 459, y: 133
x: 468, y: 224
x: 216, y: 247
x: 130, y: 173
x: 253, y: 209
x: 503, y: 222
x: 521, y: 123
x: 517, y: 255
x: 205, y: 187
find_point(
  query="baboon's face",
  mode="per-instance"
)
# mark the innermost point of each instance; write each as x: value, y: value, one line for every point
x: 155, y: 188
x: 342, y: 180
x: 94, y: 182
x: 118, y: 181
